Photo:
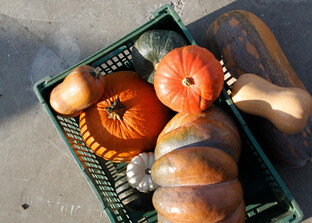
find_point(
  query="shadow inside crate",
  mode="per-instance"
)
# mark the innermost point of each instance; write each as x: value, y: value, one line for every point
x: 127, y: 194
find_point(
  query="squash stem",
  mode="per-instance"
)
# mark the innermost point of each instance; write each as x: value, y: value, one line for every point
x: 115, y: 110
x: 95, y: 73
x: 187, y: 81
x: 148, y: 171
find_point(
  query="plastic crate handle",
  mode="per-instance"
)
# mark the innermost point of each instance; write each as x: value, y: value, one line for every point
x: 164, y: 9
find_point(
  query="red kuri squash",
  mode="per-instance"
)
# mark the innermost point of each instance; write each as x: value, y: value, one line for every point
x: 188, y: 79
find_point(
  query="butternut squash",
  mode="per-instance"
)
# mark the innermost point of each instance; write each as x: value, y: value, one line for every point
x: 288, y: 108
x: 247, y: 45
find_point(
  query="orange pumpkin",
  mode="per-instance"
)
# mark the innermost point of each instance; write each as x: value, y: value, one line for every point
x: 188, y: 79
x: 126, y: 120
x: 79, y: 90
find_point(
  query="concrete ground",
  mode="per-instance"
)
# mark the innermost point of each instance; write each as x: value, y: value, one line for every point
x: 41, y: 37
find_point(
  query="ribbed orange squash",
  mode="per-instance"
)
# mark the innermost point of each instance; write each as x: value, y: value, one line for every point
x: 126, y: 120
x: 196, y: 169
x: 212, y: 127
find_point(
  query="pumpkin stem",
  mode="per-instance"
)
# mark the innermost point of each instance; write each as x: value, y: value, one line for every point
x: 95, y: 73
x: 148, y: 171
x: 187, y: 81
x: 115, y: 110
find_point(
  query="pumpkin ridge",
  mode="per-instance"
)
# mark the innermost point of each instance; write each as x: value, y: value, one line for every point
x: 128, y: 131
x: 213, y: 113
x: 188, y: 70
x: 129, y: 126
x: 214, y: 78
x: 214, y: 127
x: 208, y: 185
x: 172, y: 130
x: 193, y: 93
x: 197, y: 60
x: 139, y: 163
x: 197, y: 203
x: 171, y: 67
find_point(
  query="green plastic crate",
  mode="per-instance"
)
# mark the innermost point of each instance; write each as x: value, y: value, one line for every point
x: 266, y: 196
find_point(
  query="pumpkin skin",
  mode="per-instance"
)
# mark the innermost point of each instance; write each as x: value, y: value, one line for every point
x: 205, y: 191
x: 195, y: 167
x: 249, y: 46
x: 138, y: 172
x: 236, y: 216
x: 212, y: 127
x: 188, y: 79
x: 79, y: 90
x: 151, y: 47
x: 210, y: 164
x: 131, y: 197
x: 288, y: 108
x: 126, y: 120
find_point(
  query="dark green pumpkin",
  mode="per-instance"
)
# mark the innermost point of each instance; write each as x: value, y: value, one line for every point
x: 151, y: 47
x: 247, y: 45
x: 130, y: 197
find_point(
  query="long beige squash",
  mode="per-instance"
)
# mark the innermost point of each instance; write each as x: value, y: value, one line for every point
x: 288, y: 108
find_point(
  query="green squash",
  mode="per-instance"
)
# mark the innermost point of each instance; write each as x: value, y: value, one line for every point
x: 151, y: 47
x: 130, y: 197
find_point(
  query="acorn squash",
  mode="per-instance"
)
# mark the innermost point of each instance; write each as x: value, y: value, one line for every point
x: 151, y: 47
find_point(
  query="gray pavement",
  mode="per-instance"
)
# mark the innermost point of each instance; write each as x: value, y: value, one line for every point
x: 40, y: 38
